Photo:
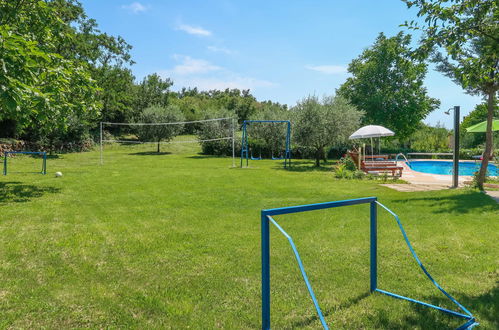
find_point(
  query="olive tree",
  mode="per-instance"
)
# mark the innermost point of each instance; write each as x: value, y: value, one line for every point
x: 321, y: 123
x: 155, y: 115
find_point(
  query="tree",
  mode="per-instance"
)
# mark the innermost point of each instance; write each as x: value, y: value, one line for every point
x: 153, y: 90
x: 463, y: 38
x: 430, y: 139
x: 55, y: 59
x: 478, y: 115
x: 159, y: 114
x: 240, y: 102
x: 387, y: 84
x: 41, y: 91
x: 117, y: 93
x: 318, y: 124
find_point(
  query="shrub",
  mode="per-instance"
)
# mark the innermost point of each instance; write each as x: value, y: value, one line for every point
x: 340, y: 171
x: 349, y: 163
x: 359, y: 175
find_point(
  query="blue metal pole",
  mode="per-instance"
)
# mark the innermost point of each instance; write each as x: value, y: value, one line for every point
x: 247, y: 147
x: 5, y: 163
x: 374, y: 247
x: 265, y: 273
x: 289, y: 144
x: 246, y: 142
x: 44, y: 163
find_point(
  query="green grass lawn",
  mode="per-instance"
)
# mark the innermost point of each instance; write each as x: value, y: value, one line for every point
x: 173, y: 241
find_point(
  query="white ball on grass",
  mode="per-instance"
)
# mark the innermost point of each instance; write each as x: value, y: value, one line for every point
x: 58, y: 174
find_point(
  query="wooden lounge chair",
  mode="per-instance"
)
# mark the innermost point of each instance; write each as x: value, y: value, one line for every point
x: 377, y: 166
x: 376, y: 157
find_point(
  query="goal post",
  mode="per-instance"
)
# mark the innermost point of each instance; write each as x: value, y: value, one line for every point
x: 207, y: 133
x: 43, y: 154
x: 267, y: 218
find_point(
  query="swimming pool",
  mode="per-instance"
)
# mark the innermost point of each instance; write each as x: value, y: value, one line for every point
x: 445, y: 167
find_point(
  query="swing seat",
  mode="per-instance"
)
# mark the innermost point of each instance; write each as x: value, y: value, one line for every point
x: 255, y: 158
x: 278, y: 158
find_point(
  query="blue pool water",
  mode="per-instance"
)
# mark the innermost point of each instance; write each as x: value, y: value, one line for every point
x: 445, y: 167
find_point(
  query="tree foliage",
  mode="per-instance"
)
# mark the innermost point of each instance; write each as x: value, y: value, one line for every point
x: 429, y: 138
x: 153, y: 90
x: 462, y: 37
x: 159, y: 133
x: 387, y: 84
x: 40, y: 90
x: 214, y: 134
x: 270, y: 136
x: 58, y: 70
x: 478, y: 115
x: 321, y: 123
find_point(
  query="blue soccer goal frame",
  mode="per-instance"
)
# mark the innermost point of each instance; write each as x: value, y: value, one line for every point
x: 267, y: 219
x: 245, y: 144
x: 42, y: 153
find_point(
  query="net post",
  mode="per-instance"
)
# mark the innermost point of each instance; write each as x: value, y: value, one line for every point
x: 233, y: 143
x: 373, y: 248
x: 265, y: 272
x: 101, y: 161
x: 244, y: 151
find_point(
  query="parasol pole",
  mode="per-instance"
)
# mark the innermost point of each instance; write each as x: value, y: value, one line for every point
x: 372, y: 151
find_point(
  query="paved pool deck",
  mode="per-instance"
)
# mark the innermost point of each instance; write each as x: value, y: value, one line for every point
x: 419, y: 181
x: 420, y: 178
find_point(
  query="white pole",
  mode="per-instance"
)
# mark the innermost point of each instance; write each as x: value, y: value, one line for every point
x: 101, y: 160
x: 372, y: 150
x: 233, y: 143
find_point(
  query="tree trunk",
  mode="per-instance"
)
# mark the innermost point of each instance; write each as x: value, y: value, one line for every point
x: 158, y: 145
x: 319, y: 154
x: 488, y: 140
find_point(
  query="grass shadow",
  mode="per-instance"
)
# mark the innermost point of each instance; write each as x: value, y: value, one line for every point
x: 19, y: 193
x: 304, y: 166
x: 484, y: 307
x: 203, y: 156
x: 150, y: 153
x: 466, y: 202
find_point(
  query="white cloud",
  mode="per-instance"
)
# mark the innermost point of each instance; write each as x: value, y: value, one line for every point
x: 135, y: 7
x: 191, y: 65
x: 195, y: 30
x: 204, y: 75
x: 221, y: 83
x: 224, y: 50
x: 328, y: 69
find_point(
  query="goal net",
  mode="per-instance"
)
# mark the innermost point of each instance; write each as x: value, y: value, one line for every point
x: 214, y: 136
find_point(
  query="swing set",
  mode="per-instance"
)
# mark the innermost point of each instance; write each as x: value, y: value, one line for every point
x: 245, y: 151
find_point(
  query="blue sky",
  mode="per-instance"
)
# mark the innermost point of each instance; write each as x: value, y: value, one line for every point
x: 281, y: 50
